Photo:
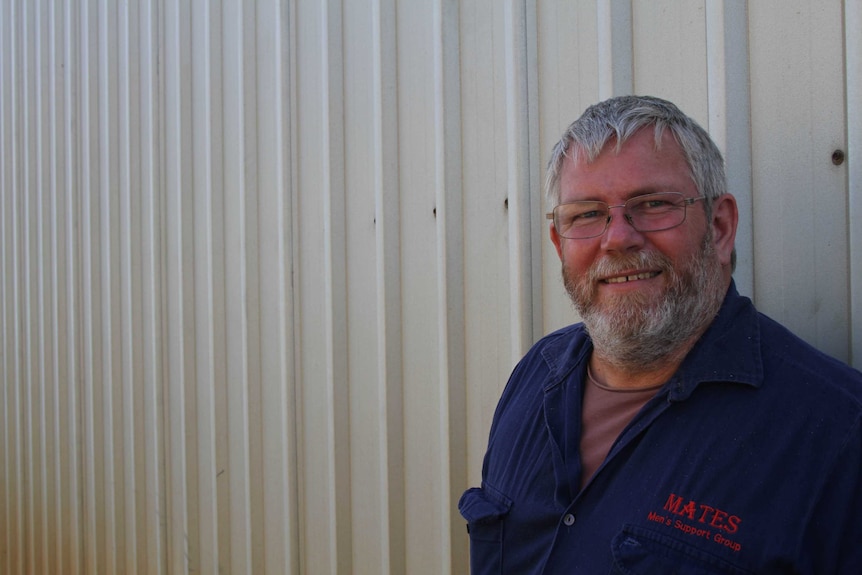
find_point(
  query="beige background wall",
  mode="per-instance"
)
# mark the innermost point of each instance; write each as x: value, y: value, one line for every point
x: 265, y: 266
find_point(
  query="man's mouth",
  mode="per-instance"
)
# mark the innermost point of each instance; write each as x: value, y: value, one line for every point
x: 630, y: 278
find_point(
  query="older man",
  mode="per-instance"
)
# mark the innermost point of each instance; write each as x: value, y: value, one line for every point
x: 675, y: 430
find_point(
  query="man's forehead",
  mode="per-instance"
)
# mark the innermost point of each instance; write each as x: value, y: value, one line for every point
x: 641, y: 163
x: 645, y: 144
x: 661, y: 140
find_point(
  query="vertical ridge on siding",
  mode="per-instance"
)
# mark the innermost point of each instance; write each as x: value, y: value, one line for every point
x: 89, y: 308
x: 729, y: 118
x: 5, y: 496
x: 274, y: 229
x: 54, y: 546
x: 450, y: 262
x: 42, y: 257
x: 252, y: 265
x: 535, y: 201
x: 615, y: 52
x: 24, y: 223
x: 178, y: 214
x: 41, y: 261
x: 153, y: 343
x: 236, y: 290
x: 252, y: 174
x: 853, y: 63
x: 388, y: 238
x: 335, y: 296
x: 7, y: 532
x: 107, y: 192
x: 519, y: 185
x: 58, y: 374
x: 313, y: 443
x: 296, y: 553
x: 18, y: 108
x: 218, y: 205
x: 203, y: 141
x: 73, y: 330
x: 12, y: 425
x: 128, y: 295
x: 88, y: 181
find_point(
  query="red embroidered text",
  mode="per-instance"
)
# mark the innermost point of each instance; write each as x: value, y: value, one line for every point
x: 702, y: 513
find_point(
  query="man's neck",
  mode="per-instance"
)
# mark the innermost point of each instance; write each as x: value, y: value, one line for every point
x: 612, y: 374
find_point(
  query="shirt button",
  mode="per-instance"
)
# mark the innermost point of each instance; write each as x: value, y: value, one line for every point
x: 569, y: 520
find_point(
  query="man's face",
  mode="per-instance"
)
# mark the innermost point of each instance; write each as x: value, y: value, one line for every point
x: 640, y: 294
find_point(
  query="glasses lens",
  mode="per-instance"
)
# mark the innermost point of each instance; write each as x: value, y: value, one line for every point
x: 647, y: 213
x: 654, y: 212
x: 579, y: 220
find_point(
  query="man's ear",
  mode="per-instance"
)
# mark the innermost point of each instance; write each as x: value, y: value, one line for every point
x: 725, y: 217
x: 556, y: 240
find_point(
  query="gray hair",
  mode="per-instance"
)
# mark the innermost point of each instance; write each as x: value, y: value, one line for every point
x: 620, y: 118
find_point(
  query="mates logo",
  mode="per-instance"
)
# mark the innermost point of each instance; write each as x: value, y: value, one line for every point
x: 702, y: 513
x: 699, y: 520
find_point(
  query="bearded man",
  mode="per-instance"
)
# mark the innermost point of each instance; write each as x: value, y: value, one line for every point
x: 676, y: 429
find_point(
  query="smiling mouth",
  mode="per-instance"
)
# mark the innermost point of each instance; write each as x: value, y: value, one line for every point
x: 631, y: 278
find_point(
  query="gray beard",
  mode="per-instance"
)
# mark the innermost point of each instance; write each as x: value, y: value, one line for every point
x: 637, y: 333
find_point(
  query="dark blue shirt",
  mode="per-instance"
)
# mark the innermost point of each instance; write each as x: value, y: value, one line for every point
x: 748, y: 460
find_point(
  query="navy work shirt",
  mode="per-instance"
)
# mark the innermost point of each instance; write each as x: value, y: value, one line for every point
x: 746, y: 461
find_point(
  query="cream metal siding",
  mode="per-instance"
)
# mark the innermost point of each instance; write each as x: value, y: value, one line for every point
x: 265, y: 266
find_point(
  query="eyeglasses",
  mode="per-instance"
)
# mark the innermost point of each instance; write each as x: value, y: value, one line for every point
x: 647, y: 213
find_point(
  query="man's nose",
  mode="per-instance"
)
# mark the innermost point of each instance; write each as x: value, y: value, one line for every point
x: 621, y: 235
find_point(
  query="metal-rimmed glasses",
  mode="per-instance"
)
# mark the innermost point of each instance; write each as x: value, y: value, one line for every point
x: 647, y: 213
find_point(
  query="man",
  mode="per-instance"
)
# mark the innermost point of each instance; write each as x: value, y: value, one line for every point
x: 676, y: 430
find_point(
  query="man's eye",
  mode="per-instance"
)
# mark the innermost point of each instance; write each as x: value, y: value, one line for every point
x: 654, y: 205
x: 584, y: 216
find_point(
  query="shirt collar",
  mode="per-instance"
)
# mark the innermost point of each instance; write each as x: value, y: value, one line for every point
x: 729, y: 351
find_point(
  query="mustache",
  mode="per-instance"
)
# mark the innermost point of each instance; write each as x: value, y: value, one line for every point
x: 615, y: 265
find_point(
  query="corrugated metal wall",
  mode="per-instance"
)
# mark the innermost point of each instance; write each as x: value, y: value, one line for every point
x: 266, y: 265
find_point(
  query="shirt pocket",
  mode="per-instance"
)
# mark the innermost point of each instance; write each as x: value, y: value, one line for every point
x: 639, y: 551
x: 485, y: 510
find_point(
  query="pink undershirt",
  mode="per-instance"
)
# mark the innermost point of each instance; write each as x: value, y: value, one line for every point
x: 606, y: 412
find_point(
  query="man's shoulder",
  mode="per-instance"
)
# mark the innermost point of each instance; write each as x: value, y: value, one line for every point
x: 564, y: 336
x: 549, y: 360
x: 561, y: 348
x: 794, y: 361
